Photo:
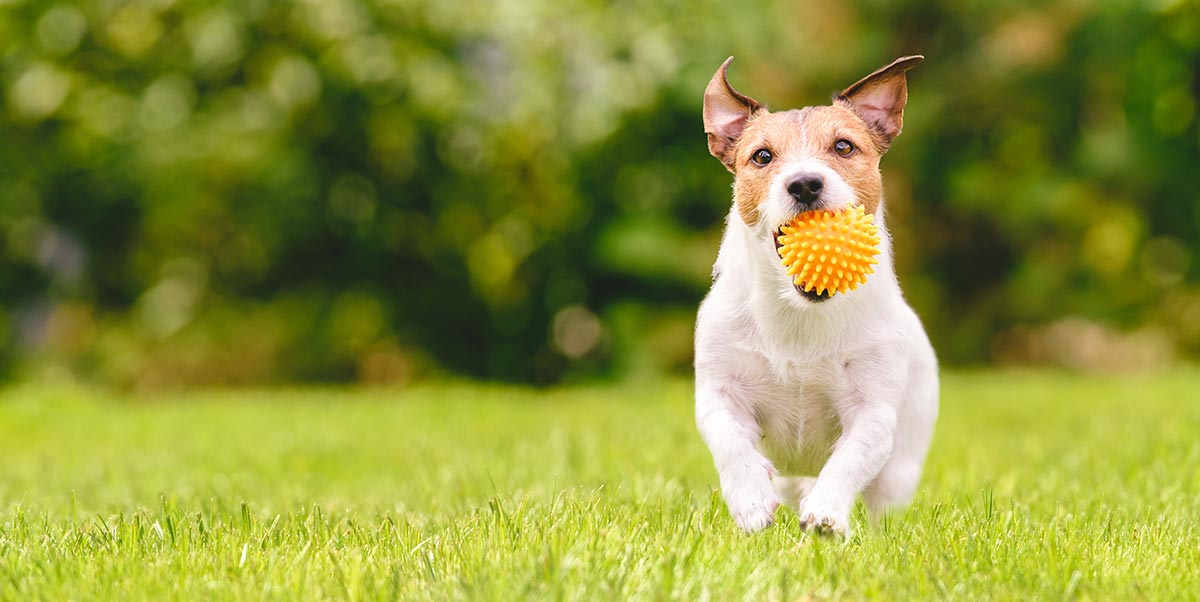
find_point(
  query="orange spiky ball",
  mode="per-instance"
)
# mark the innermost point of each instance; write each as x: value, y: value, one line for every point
x: 830, y: 251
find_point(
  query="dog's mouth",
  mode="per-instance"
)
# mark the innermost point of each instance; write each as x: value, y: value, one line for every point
x: 810, y: 295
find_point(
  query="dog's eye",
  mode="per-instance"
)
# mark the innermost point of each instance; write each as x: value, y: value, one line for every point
x: 761, y: 157
x: 843, y: 148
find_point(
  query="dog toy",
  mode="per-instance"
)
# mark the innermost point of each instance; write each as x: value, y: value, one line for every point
x: 830, y: 251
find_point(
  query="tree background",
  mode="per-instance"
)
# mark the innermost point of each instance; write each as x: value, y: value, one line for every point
x: 203, y: 192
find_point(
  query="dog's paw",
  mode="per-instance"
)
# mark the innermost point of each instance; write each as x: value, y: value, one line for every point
x: 751, y: 498
x: 824, y: 519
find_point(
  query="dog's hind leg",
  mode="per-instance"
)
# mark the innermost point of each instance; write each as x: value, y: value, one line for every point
x: 897, y: 481
x: 793, y: 489
x: 894, y: 487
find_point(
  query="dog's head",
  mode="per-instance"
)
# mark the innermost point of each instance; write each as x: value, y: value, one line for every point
x: 824, y: 157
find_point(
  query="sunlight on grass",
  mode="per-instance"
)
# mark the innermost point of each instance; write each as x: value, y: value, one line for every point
x: 1039, y: 486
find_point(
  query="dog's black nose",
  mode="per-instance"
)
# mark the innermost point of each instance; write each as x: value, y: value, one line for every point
x: 805, y: 188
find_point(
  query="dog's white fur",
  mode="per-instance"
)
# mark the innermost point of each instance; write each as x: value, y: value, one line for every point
x: 844, y: 389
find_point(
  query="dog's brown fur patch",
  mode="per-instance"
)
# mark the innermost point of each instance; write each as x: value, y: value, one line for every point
x: 808, y: 133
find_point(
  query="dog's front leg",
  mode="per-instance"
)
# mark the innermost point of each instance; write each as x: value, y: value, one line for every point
x: 868, y: 417
x: 731, y: 432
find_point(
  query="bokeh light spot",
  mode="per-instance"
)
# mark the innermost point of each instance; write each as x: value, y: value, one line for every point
x: 576, y: 331
x: 61, y: 28
x: 39, y: 91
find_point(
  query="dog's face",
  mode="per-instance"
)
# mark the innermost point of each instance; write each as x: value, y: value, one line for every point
x: 801, y: 160
x: 794, y: 161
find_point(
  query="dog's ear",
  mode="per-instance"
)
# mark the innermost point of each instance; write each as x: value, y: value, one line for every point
x: 726, y: 112
x: 879, y: 98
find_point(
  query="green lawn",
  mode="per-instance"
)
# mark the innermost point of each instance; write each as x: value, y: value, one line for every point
x: 1039, y: 486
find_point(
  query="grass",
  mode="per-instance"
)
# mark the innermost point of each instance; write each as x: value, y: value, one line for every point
x: 1039, y: 486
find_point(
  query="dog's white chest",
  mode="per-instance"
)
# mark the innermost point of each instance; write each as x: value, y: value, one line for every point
x: 796, y: 413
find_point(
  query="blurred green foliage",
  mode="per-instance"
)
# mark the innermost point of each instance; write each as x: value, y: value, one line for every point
x: 232, y: 192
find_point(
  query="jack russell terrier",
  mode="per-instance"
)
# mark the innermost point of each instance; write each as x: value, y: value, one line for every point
x: 791, y: 382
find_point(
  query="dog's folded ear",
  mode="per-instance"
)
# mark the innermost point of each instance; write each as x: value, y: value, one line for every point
x: 879, y: 98
x: 726, y: 112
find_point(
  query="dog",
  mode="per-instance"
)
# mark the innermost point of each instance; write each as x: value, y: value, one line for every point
x: 789, y: 383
